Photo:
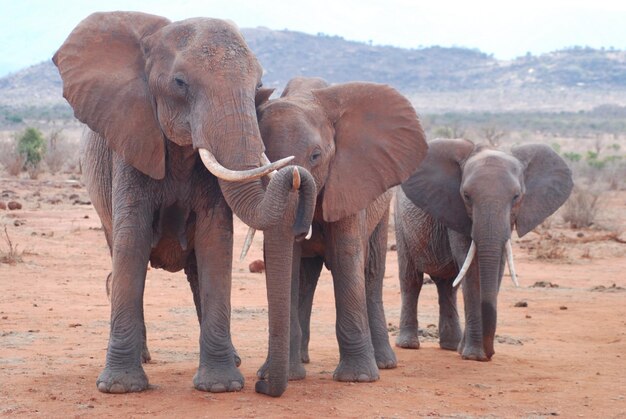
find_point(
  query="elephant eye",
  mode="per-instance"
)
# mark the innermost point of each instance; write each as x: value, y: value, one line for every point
x: 258, y: 86
x: 516, y: 197
x: 315, y: 156
x: 467, y: 197
x: 180, y: 82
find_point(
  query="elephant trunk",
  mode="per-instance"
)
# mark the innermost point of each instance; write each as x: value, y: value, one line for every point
x: 490, y: 245
x: 230, y: 142
x: 278, y: 252
x: 264, y: 208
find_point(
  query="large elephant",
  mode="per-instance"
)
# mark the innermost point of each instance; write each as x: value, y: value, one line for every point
x: 357, y: 140
x: 465, y: 200
x: 165, y: 101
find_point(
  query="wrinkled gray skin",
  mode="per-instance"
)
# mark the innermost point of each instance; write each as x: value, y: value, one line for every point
x: 357, y: 140
x: 462, y: 193
x: 152, y: 92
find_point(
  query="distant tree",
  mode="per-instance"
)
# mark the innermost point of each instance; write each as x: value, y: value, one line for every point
x: 492, y: 134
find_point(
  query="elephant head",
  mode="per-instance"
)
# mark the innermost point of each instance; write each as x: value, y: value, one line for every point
x: 357, y: 139
x: 139, y: 81
x: 483, y: 193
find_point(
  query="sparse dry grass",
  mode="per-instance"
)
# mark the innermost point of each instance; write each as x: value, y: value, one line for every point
x: 10, y: 158
x: 581, y: 209
x: 10, y: 256
x: 549, y: 249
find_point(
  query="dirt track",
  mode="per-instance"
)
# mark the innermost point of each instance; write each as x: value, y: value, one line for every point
x: 564, y: 354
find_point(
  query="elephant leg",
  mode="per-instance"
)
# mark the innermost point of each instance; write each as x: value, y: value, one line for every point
x: 346, y: 259
x: 131, y: 244
x: 471, y: 345
x: 296, y: 368
x: 217, y: 371
x: 374, y: 274
x: 310, y: 269
x: 449, y: 327
x: 191, y: 271
x: 411, y: 281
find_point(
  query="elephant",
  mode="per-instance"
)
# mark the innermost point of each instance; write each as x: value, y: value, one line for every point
x: 464, y: 201
x: 357, y: 140
x: 171, y: 150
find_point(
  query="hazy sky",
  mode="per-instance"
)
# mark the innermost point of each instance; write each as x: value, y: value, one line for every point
x: 32, y: 30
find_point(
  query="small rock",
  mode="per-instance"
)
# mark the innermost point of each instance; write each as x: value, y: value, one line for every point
x: 393, y: 247
x: 563, y: 308
x: 257, y: 267
x: 14, y: 205
x: 3, y: 205
x: 18, y: 223
x: 521, y: 304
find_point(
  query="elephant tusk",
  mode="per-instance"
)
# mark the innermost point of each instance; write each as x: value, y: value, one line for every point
x: 211, y: 163
x: 509, y: 259
x: 468, y: 261
x: 247, y: 243
x: 309, y: 234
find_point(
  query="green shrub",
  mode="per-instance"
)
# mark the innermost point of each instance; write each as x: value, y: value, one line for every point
x: 32, y: 145
x: 571, y: 156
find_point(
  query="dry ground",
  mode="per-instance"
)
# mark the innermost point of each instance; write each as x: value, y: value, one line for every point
x: 563, y: 354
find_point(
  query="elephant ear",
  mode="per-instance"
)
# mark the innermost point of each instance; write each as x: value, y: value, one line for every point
x: 263, y: 95
x: 435, y: 186
x: 548, y: 182
x: 102, y: 67
x: 379, y: 142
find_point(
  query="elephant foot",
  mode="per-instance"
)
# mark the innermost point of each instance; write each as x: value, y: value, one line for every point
x: 474, y: 353
x: 360, y: 369
x: 449, y: 337
x: 218, y: 379
x: 408, y: 339
x: 122, y: 381
x: 385, y: 357
x: 449, y: 342
x: 296, y: 371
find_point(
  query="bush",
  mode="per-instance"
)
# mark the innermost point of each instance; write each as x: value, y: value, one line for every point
x: 581, y: 209
x: 32, y: 144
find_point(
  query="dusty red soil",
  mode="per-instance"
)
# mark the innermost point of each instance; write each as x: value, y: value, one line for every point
x: 563, y: 354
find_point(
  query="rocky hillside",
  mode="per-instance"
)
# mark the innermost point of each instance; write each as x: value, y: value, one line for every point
x: 436, y: 79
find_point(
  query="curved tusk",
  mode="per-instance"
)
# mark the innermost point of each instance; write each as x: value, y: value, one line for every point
x: 265, y: 161
x: 309, y: 234
x: 211, y: 163
x: 509, y: 259
x: 468, y: 261
x: 247, y: 243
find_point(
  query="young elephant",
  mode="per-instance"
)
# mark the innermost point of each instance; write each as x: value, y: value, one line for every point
x: 357, y: 140
x: 466, y: 200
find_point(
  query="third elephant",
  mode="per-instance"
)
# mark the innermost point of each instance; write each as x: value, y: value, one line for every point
x: 357, y: 140
x: 454, y: 217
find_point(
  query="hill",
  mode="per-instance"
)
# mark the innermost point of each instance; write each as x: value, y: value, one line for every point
x: 436, y: 79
